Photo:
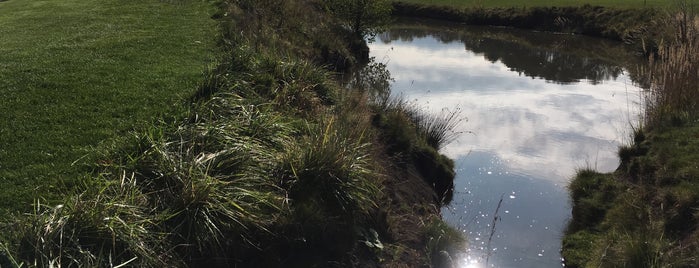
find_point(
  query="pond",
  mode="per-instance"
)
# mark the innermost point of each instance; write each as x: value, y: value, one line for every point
x: 537, y: 107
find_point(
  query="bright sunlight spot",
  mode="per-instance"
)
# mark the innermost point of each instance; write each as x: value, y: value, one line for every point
x: 472, y: 265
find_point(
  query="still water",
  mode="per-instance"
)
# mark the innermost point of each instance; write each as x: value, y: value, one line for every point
x: 538, y: 107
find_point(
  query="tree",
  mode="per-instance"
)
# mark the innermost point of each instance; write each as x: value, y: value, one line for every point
x: 365, y: 18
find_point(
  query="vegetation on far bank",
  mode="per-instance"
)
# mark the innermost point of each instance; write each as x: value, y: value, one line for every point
x: 269, y: 162
x: 645, y: 213
x: 545, y: 3
x: 637, y: 27
x: 641, y: 27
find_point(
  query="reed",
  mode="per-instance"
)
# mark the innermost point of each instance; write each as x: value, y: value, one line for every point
x: 674, y: 71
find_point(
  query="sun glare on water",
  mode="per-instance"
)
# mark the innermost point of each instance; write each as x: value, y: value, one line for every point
x: 472, y: 265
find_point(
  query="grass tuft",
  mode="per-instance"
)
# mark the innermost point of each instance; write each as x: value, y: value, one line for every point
x: 415, y: 137
x: 332, y: 170
x: 109, y: 224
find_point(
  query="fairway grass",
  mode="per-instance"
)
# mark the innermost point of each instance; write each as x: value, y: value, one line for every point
x: 548, y: 3
x: 74, y: 73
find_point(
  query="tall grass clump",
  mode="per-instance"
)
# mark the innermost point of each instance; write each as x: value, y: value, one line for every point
x: 415, y: 136
x: 436, y: 129
x: 109, y: 224
x: 295, y: 83
x: 331, y: 172
x: 211, y: 175
x: 333, y: 187
x: 195, y: 192
x: 674, y: 72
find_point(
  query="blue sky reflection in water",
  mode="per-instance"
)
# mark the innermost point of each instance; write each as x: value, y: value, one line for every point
x: 535, y: 113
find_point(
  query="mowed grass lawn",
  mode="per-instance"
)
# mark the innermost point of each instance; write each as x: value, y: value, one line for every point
x: 74, y: 73
x: 547, y: 3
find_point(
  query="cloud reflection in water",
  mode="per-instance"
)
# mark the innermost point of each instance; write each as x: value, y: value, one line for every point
x: 527, y: 133
x: 530, y: 122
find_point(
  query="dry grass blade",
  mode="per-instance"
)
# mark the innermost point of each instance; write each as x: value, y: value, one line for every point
x: 674, y: 73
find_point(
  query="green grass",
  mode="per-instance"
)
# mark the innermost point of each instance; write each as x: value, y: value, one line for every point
x: 547, y: 3
x: 263, y: 161
x: 643, y: 215
x: 258, y: 161
x: 77, y: 72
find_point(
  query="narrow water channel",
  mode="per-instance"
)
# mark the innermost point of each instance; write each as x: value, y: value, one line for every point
x: 538, y: 106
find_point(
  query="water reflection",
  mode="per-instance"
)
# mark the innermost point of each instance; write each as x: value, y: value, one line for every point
x: 556, y: 58
x: 536, y: 111
x: 530, y: 217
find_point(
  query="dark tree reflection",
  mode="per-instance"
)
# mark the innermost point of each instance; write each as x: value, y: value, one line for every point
x: 374, y: 79
x: 554, y: 57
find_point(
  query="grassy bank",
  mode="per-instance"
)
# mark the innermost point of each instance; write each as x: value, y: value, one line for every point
x: 638, y: 27
x: 269, y: 163
x: 645, y: 213
x: 74, y: 73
